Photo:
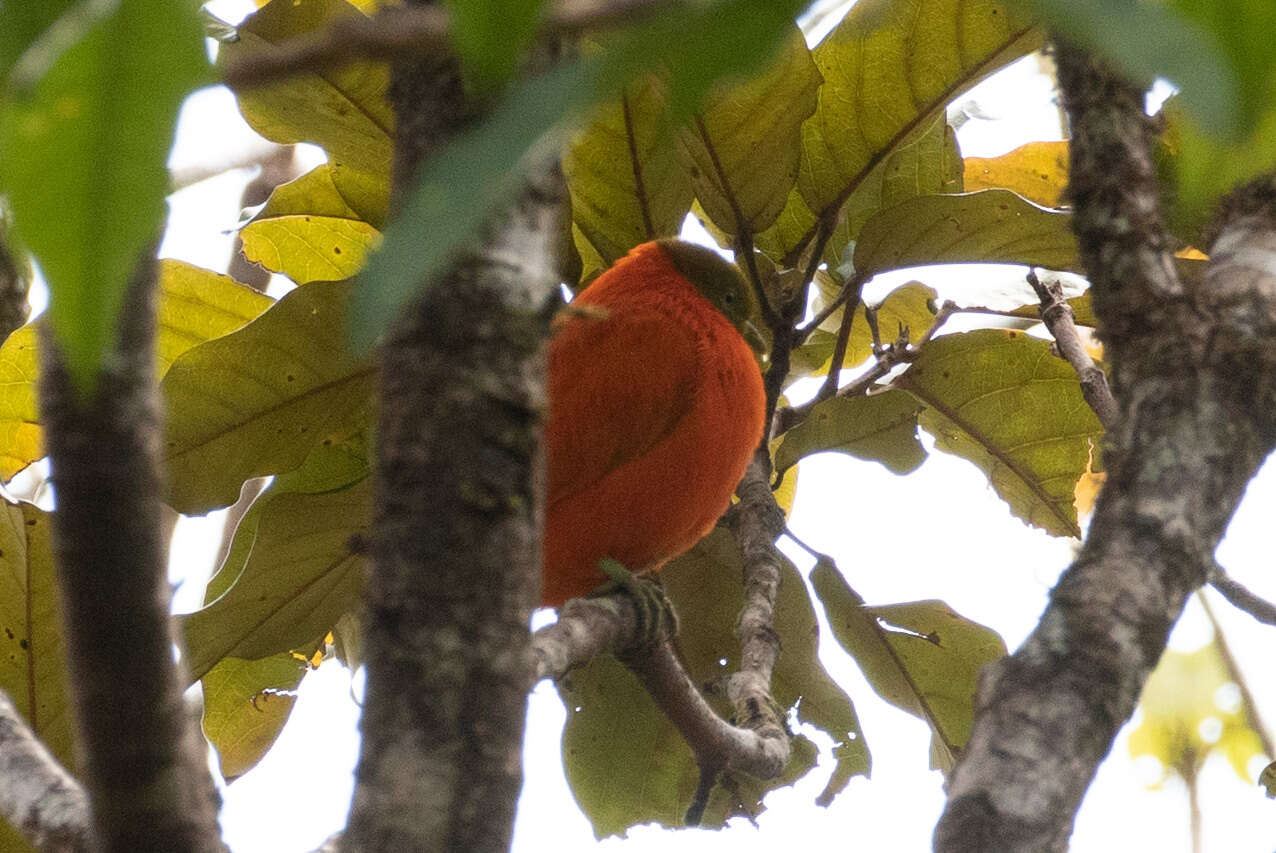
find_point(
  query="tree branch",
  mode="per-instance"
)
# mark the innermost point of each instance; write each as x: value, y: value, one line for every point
x: 1192, y: 371
x: 145, y: 763
x: 1057, y: 315
x: 455, y: 540
x: 1240, y: 597
x: 409, y: 32
x: 38, y: 797
x: 758, y: 743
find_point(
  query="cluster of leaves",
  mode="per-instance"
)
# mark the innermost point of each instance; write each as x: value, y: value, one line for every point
x: 822, y: 167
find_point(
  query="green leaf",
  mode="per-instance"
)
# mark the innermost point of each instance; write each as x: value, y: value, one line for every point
x: 309, y: 248
x: 625, y: 761
x: 491, y: 36
x: 299, y: 576
x: 1000, y: 399
x: 921, y: 657
x: 990, y: 226
x: 256, y: 401
x: 333, y: 190
x: 343, y: 108
x: 1185, y: 699
x: 626, y: 181
x: 889, y: 69
x: 881, y: 428
x: 246, y: 704
x: 742, y: 150
x: 82, y: 164
x: 195, y: 305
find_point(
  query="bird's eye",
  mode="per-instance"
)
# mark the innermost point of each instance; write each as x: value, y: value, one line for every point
x: 729, y: 298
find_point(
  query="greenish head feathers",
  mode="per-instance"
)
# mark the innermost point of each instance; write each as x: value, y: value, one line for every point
x: 720, y: 282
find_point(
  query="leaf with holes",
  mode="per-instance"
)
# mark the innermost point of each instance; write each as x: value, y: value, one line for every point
x: 921, y: 657
x: 1192, y: 709
x: 1001, y: 400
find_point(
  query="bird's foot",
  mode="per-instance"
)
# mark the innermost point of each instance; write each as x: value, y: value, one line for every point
x: 656, y: 617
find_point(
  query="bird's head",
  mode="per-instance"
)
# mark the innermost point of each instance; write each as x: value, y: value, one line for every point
x: 721, y: 283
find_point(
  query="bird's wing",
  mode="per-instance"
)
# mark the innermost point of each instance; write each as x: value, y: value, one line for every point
x: 619, y: 385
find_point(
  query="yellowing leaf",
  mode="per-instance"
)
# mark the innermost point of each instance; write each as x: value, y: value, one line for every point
x: 921, y: 657
x: 309, y: 248
x: 889, y: 68
x: 1189, y: 712
x: 926, y: 161
x: 342, y: 108
x: 32, y: 663
x: 1000, y: 399
x: 625, y: 761
x: 195, y: 305
x: 627, y: 184
x: 256, y: 401
x: 1038, y: 171
x: 332, y: 190
x: 742, y: 150
x: 990, y: 226
x: 246, y: 704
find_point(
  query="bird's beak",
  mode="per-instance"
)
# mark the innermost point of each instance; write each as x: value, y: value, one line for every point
x: 753, y: 337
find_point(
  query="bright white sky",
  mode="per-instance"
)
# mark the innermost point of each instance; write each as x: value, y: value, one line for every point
x: 940, y: 532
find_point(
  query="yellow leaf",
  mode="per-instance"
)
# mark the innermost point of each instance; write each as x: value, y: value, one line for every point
x: 1037, y: 171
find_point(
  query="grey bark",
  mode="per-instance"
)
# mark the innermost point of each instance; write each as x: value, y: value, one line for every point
x: 1192, y: 372
x: 455, y: 543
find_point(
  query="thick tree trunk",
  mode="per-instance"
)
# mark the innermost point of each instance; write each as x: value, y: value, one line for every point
x: 1192, y: 370
x: 456, y: 536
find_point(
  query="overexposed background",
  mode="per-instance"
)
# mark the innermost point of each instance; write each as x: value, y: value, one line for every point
x: 940, y: 532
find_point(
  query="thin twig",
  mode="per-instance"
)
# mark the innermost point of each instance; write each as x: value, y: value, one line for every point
x: 1237, y: 676
x: 1057, y: 316
x: 889, y: 356
x: 1240, y: 597
x: 406, y: 32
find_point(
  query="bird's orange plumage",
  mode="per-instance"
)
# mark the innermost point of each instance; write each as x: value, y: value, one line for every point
x: 656, y: 406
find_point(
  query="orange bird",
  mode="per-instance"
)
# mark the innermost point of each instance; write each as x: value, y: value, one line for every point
x: 655, y: 408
